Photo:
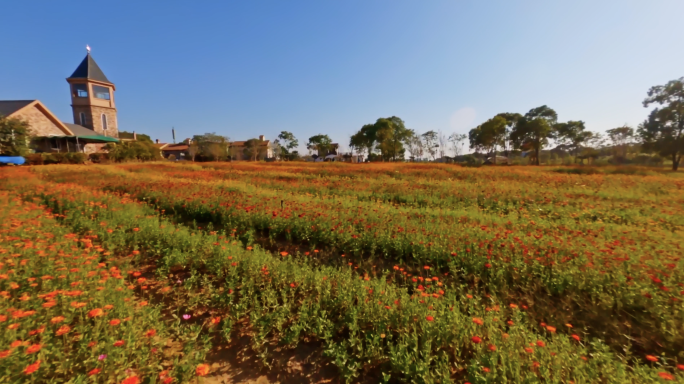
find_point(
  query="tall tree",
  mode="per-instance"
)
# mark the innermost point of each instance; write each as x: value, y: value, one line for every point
x: 286, y: 142
x: 621, y: 138
x: 457, y: 140
x: 511, y: 121
x: 391, y: 136
x: 573, y: 134
x: 14, y: 136
x: 364, y: 139
x: 415, y: 146
x: 253, y: 149
x: 211, y: 145
x: 489, y: 135
x: 663, y: 131
x: 533, y: 130
x: 320, y: 143
x: 430, y: 143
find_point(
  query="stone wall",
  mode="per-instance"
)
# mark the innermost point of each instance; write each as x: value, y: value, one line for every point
x: 39, y: 124
x: 94, y: 119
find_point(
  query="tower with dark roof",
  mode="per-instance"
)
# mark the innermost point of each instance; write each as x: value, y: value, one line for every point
x: 92, y: 98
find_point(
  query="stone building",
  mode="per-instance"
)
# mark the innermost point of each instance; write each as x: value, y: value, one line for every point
x: 93, y: 108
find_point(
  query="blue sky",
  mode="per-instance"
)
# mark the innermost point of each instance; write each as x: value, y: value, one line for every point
x: 259, y: 67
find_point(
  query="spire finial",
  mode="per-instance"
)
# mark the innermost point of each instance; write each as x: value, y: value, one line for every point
x: 88, y: 48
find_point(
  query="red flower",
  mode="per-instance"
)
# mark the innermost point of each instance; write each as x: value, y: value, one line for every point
x: 202, y: 370
x: 150, y: 333
x: 95, y: 313
x: 492, y: 347
x: 114, y: 322
x: 575, y: 337
x: 478, y: 321
x: 476, y: 339
x: 426, y: 267
x: 131, y: 380
x: 33, y: 349
x: 94, y: 372
x: 651, y: 358
x: 680, y: 367
x: 119, y: 343
x: 665, y: 375
x: 429, y: 318
x: 540, y: 343
x: 32, y: 368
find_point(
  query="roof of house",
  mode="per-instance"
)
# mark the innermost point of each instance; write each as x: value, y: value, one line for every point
x: 242, y: 143
x: 176, y: 147
x: 80, y: 130
x: 88, y: 69
x: 8, y: 107
x: 161, y: 145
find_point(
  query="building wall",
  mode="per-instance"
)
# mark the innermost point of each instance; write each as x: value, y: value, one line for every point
x: 94, y: 119
x: 39, y: 123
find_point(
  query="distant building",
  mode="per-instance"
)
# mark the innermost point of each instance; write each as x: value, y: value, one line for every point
x: 93, y: 108
x: 239, y: 151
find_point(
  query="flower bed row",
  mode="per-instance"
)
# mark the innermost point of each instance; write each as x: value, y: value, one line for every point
x: 439, y: 334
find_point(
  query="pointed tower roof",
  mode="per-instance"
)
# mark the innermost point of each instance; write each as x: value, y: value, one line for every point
x: 88, y: 69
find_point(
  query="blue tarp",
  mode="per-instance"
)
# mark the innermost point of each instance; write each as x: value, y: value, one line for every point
x: 16, y: 160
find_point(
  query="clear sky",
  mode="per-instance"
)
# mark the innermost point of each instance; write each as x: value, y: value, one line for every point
x: 245, y: 68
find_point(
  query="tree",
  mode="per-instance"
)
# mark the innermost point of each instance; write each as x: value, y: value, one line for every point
x: 511, y: 121
x: 532, y: 131
x: 14, y: 137
x: 364, y: 139
x: 133, y: 151
x: 489, y: 135
x: 209, y: 145
x: 456, y: 140
x: 663, y: 131
x: 286, y: 143
x: 391, y: 134
x: 320, y: 143
x: 415, y: 145
x: 573, y: 134
x: 430, y: 143
x: 443, y: 142
x: 621, y: 138
x: 253, y: 148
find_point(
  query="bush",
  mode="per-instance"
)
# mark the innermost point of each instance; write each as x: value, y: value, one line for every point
x: 76, y: 158
x: 34, y: 159
x: 172, y: 157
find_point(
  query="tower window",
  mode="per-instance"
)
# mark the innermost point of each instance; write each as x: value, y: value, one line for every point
x: 101, y: 92
x: 104, y: 122
x: 83, y: 120
x: 80, y: 90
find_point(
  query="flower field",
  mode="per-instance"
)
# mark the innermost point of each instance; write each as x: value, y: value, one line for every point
x: 398, y: 272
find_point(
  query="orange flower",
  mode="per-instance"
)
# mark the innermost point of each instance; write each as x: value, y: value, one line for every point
x: 202, y: 370
x: 119, y: 343
x: 163, y: 374
x: 108, y: 307
x: 5, y: 353
x: 551, y: 329
x: 57, y: 319
x: 95, y: 313
x: 540, y: 343
x: 32, y: 368
x: 476, y: 339
x: 529, y: 350
x: 575, y: 337
x: 3, y: 318
x: 665, y: 376
x: 33, y: 349
x: 478, y: 321
x: 16, y: 343
x: 77, y: 304
x: 492, y: 347
x: 62, y: 330
x: 283, y: 254
x: 114, y: 322
x: 13, y: 326
x: 142, y: 303
x: 49, y: 304
x: 131, y: 380
x: 94, y: 372
x: 150, y: 333
x: 651, y: 358
x: 216, y: 320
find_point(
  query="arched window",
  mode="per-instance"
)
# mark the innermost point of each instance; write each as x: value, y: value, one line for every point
x: 104, y: 122
x: 83, y: 121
